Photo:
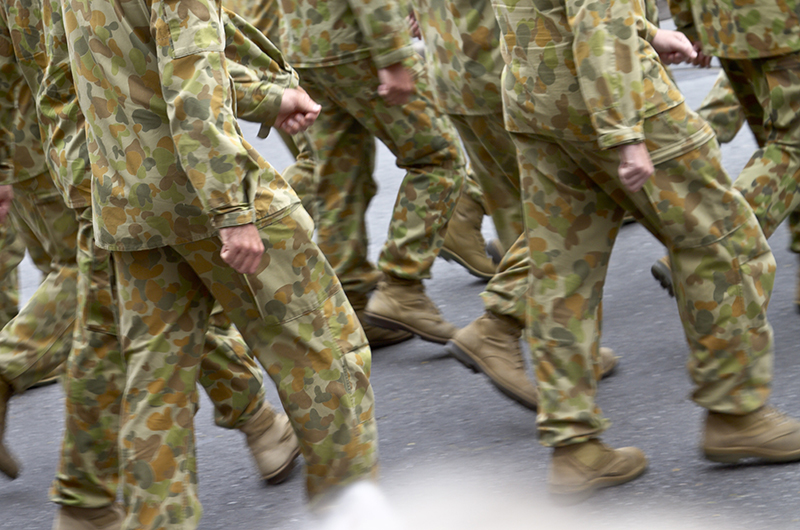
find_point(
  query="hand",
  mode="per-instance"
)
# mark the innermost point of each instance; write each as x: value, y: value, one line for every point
x: 673, y: 47
x: 413, y: 25
x: 397, y: 84
x: 298, y: 111
x: 702, y: 60
x: 241, y: 248
x: 6, y: 196
x: 635, y: 166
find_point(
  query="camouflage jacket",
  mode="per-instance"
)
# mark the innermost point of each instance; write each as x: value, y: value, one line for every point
x: 464, y: 60
x: 740, y: 30
x: 168, y: 160
x: 317, y: 33
x: 581, y: 74
x: 33, y: 58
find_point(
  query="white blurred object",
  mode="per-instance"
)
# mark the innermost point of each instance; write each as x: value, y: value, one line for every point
x: 360, y: 506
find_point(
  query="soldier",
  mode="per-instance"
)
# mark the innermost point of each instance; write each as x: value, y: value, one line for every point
x: 600, y: 128
x: 464, y: 60
x: 86, y: 484
x: 356, y: 59
x: 216, y: 223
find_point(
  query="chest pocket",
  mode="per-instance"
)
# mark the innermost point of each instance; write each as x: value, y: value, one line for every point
x: 189, y: 27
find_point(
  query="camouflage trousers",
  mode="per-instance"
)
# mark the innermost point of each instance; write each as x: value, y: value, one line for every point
x: 426, y: 146
x: 723, y: 268
x: 723, y: 112
x: 769, y: 90
x: 297, y: 321
x: 12, y: 251
x: 88, y: 472
x: 493, y: 164
x: 39, y: 338
x: 300, y: 175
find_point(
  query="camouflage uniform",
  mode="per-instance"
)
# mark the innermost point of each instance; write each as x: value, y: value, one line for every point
x: 234, y: 382
x: 758, y: 46
x: 722, y: 110
x: 464, y: 63
x: 166, y: 254
x: 564, y: 97
x: 337, y: 47
x: 266, y: 15
x: 39, y: 339
x: 12, y: 251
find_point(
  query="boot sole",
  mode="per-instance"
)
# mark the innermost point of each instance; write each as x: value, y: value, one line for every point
x: 376, y: 344
x: 463, y: 356
x: 664, y: 276
x: 575, y: 496
x: 734, y: 455
x: 388, y: 323
x: 9, y: 466
x: 450, y: 256
x: 283, y: 473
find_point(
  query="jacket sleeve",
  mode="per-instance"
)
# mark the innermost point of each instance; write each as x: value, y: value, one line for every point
x: 606, y: 50
x: 259, y: 71
x: 681, y: 11
x: 383, y: 25
x: 199, y: 103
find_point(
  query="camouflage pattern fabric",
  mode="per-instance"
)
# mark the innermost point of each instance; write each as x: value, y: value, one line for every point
x: 770, y: 179
x: 740, y: 30
x: 320, y: 33
x: 265, y: 16
x: 493, y: 165
x: 318, y: 356
x: 39, y: 338
x: 723, y: 286
x: 142, y: 197
x: 343, y: 137
x: 574, y: 204
x: 463, y: 54
x: 12, y: 251
x: 722, y: 110
x: 298, y: 323
x: 88, y: 473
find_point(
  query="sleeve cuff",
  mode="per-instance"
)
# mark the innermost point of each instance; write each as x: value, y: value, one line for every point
x: 392, y: 57
x: 621, y: 137
x: 235, y: 218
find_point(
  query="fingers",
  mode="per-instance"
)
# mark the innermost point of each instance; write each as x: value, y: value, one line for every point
x: 242, y: 260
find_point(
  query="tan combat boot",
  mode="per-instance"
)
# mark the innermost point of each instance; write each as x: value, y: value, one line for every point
x: 8, y: 465
x: 578, y: 470
x: 495, y: 250
x: 403, y: 304
x: 377, y: 337
x: 662, y: 271
x: 766, y: 433
x: 490, y: 344
x: 75, y: 518
x: 272, y: 443
x: 608, y: 361
x: 464, y: 243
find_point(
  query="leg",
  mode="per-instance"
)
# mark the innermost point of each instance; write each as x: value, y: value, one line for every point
x: 300, y: 326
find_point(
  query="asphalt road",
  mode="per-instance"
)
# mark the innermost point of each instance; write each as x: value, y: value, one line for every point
x: 455, y: 453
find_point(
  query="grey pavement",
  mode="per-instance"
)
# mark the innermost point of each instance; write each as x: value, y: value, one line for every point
x: 455, y: 453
